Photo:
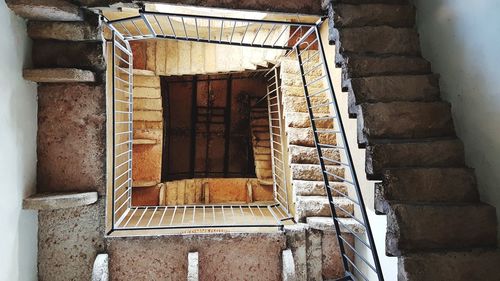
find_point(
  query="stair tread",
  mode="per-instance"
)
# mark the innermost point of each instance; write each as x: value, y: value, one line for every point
x: 46, y: 10
x: 326, y: 224
x: 144, y: 141
x: 58, y: 75
x: 376, y: 14
x: 59, y: 200
x: 144, y: 183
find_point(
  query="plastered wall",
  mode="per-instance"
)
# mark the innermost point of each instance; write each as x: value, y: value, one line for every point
x: 18, y: 119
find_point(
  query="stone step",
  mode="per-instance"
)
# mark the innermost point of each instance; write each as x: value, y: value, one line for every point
x: 438, y: 153
x: 426, y: 185
x: 143, y: 72
x: 421, y: 227
x: 298, y: 91
x: 259, y: 150
x: 143, y: 115
x: 144, y: 142
x: 299, y: 104
x: 313, y: 172
x: 148, y: 104
x: 58, y: 75
x: 466, y: 265
x: 316, y: 188
x: 292, y: 67
x: 382, y: 40
x: 326, y: 224
x: 374, y: 15
x: 365, y: 66
x: 147, y: 81
x: 304, y: 137
x: 309, y: 155
x: 262, y: 143
x: 258, y: 136
x: 266, y: 181
x: 147, y: 92
x: 318, y: 206
x: 45, y: 10
x: 54, y: 201
x: 405, y: 120
x: 301, y: 120
x: 64, y: 31
x: 65, y: 54
x: 395, y: 88
x: 372, y: 1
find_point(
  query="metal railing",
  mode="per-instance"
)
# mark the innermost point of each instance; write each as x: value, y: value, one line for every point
x: 277, y: 142
x: 265, y: 34
x: 312, y: 60
x: 208, y: 29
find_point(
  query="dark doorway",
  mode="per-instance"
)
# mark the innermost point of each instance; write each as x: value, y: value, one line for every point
x: 207, y: 125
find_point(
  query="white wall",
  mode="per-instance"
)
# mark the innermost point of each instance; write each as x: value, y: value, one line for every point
x: 461, y: 39
x: 18, y: 119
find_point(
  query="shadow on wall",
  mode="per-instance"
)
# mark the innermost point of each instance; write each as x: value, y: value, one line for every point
x: 461, y: 41
x: 18, y: 128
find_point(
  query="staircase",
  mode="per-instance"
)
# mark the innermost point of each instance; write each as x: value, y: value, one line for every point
x: 437, y: 226
x: 259, y: 127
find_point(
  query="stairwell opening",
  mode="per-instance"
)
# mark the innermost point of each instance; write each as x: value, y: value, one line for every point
x: 191, y: 132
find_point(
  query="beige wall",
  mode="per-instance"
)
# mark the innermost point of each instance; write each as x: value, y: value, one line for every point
x: 18, y: 119
x: 461, y: 39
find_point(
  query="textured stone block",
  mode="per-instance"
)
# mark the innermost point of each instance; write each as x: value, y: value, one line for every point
x: 395, y: 88
x: 58, y: 75
x: 374, y: 15
x: 221, y: 257
x: 69, y: 241
x: 426, y: 185
x: 45, y: 10
x: 147, y: 92
x: 311, y: 188
x: 66, y: 31
x: 301, y: 120
x: 304, y: 137
x: 446, y: 153
x: 148, y: 104
x: 53, y: 201
x: 318, y: 206
x: 309, y: 155
x: 64, y: 54
x: 453, y: 265
x: 71, y: 138
x: 453, y: 226
x: 406, y: 120
x: 313, y: 172
x: 380, y: 40
x: 363, y: 66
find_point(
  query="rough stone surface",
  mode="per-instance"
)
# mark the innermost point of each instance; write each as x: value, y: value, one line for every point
x: 100, y: 271
x: 55, y: 201
x: 446, y: 153
x: 84, y: 55
x: 249, y: 256
x: 147, y: 104
x: 426, y: 185
x: 332, y: 262
x: 453, y: 226
x: 313, y: 172
x: 69, y: 241
x: 452, y: 265
x: 296, y: 238
x: 314, y: 255
x: 294, y: 6
x: 58, y: 75
x: 380, y: 40
x: 308, y: 187
x: 309, y: 155
x: 301, y: 120
x: 326, y: 224
x: 45, y: 10
x: 71, y: 138
x: 374, y: 15
x: 304, y: 137
x: 363, y: 66
x: 317, y: 206
x: 67, y: 31
x: 395, y: 88
x: 298, y: 104
x: 406, y: 120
